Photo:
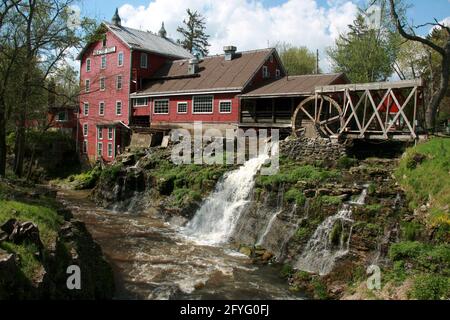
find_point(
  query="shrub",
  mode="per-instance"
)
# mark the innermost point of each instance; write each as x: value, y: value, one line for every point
x: 331, y: 200
x: 431, y: 287
x: 286, y: 271
x: 302, y: 233
x: 411, y: 230
x: 295, y: 196
x: 346, y: 162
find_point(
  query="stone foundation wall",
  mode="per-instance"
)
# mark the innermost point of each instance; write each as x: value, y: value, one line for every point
x: 310, y: 150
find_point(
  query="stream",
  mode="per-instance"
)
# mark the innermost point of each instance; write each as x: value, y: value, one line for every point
x: 153, y: 260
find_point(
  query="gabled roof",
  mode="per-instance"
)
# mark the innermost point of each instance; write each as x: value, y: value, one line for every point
x: 214, y: 74
x: 295, y: 85
x: 146, y: 41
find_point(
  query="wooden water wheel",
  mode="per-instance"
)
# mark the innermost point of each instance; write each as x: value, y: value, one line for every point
x: 317, y: 118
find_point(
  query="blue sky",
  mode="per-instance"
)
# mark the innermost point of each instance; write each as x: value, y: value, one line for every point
x: 421, y: 11
x: 256, y: 24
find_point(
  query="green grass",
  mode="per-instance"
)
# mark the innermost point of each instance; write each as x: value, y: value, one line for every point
x: 424, y: 174
x: 47, y: 220
x: 296, y: 196
x: 291, y: 173
x: 41, y: 211
x: 431, y: 287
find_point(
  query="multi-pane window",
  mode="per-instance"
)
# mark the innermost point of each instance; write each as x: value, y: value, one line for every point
x: 103, y: 65
x: 85, y: 130
x: 119, y: 82
x: 100, y: 149
x: 182, y: 107
x: 225, y: 106
x: 100, y: 133
x: 102, y: 84
x: 110, y: 133
x: 101, y: 108
x: 87, y: 85
x: 110, y: 150
x: 161, y: 106
x: 86, y: 109
x: 85, y: 144
x: 144, y: 60
x: 120, y: 59
x: 104, y: 41
x: 271, y: 58
x: 62, y: 116
x: 88, y: 65
x: 277, y: 73
x: 202, y: 104
x: 265, y: 72
x: 140, y: 102
x: 119, y: 108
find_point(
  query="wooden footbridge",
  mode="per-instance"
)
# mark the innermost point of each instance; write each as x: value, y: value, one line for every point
x: 382, y: 110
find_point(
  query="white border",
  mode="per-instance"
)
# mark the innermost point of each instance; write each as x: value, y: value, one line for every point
x: 187, y: 106
x: 193, y: 97
x: 121, y: 108
x: 231, y: 106
x: 123, y: 59
x: 168, y: 106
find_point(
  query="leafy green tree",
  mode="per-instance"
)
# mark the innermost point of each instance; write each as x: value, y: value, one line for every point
x: 195, y: 39
x: 297, y: 60
x: 364, y: 54
x: 439, y: 47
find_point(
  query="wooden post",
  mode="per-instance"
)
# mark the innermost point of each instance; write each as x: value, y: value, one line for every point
x: 415, y: 109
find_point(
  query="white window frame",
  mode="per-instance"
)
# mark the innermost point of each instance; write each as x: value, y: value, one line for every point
x: 271, y: 58
x: 265, y: 72
x: 159, y: 100
x: 278, y: 73
x: 110, y: 150
x: 66, y: 116
x: 178, y: 107
x: 99, y: 133
x: 99, y: 149
x: 103, y: 59
x: 110, y: 133
x: 144, y: 65
x: 85, y: 147
x: 88, y: 65
x: 206, y: 112
x: 226, y: 101
x: 121, y: 107
x: 120, y: 61
x: 85, y: 130
x: 100, y: 113
x: 136, y: 105
x: 117, y: 82
x: 102, y: 82
x: 86, y: 109
x: 87, y: 85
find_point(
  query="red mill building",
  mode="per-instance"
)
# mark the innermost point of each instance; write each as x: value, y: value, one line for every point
x: 137, y: 79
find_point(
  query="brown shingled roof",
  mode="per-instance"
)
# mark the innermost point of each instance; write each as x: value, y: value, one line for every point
x: 214, y: 74
x: 295, y: 85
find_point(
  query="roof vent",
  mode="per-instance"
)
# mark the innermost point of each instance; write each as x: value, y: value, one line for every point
x: 193, y: 66
x: 230, y: 52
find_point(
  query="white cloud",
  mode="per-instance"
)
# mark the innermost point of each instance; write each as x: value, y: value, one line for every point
x: 249, y: 25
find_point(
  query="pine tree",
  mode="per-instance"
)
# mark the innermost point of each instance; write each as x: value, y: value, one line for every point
x: 195, y: 38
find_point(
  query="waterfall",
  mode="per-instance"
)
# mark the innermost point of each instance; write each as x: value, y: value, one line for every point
x: 268, y: 228
x: 330, y: 241
x: 215, y: 221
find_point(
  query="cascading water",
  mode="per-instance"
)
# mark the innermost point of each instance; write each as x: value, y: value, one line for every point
x: 215, y: 221
x: 330, y: 241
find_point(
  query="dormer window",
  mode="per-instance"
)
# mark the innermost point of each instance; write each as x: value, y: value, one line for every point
x: 278, y: 74
x: 265, y: 72
x: 144, y: 60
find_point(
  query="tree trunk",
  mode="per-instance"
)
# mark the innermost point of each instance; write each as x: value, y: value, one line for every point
x: 438, y: 96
